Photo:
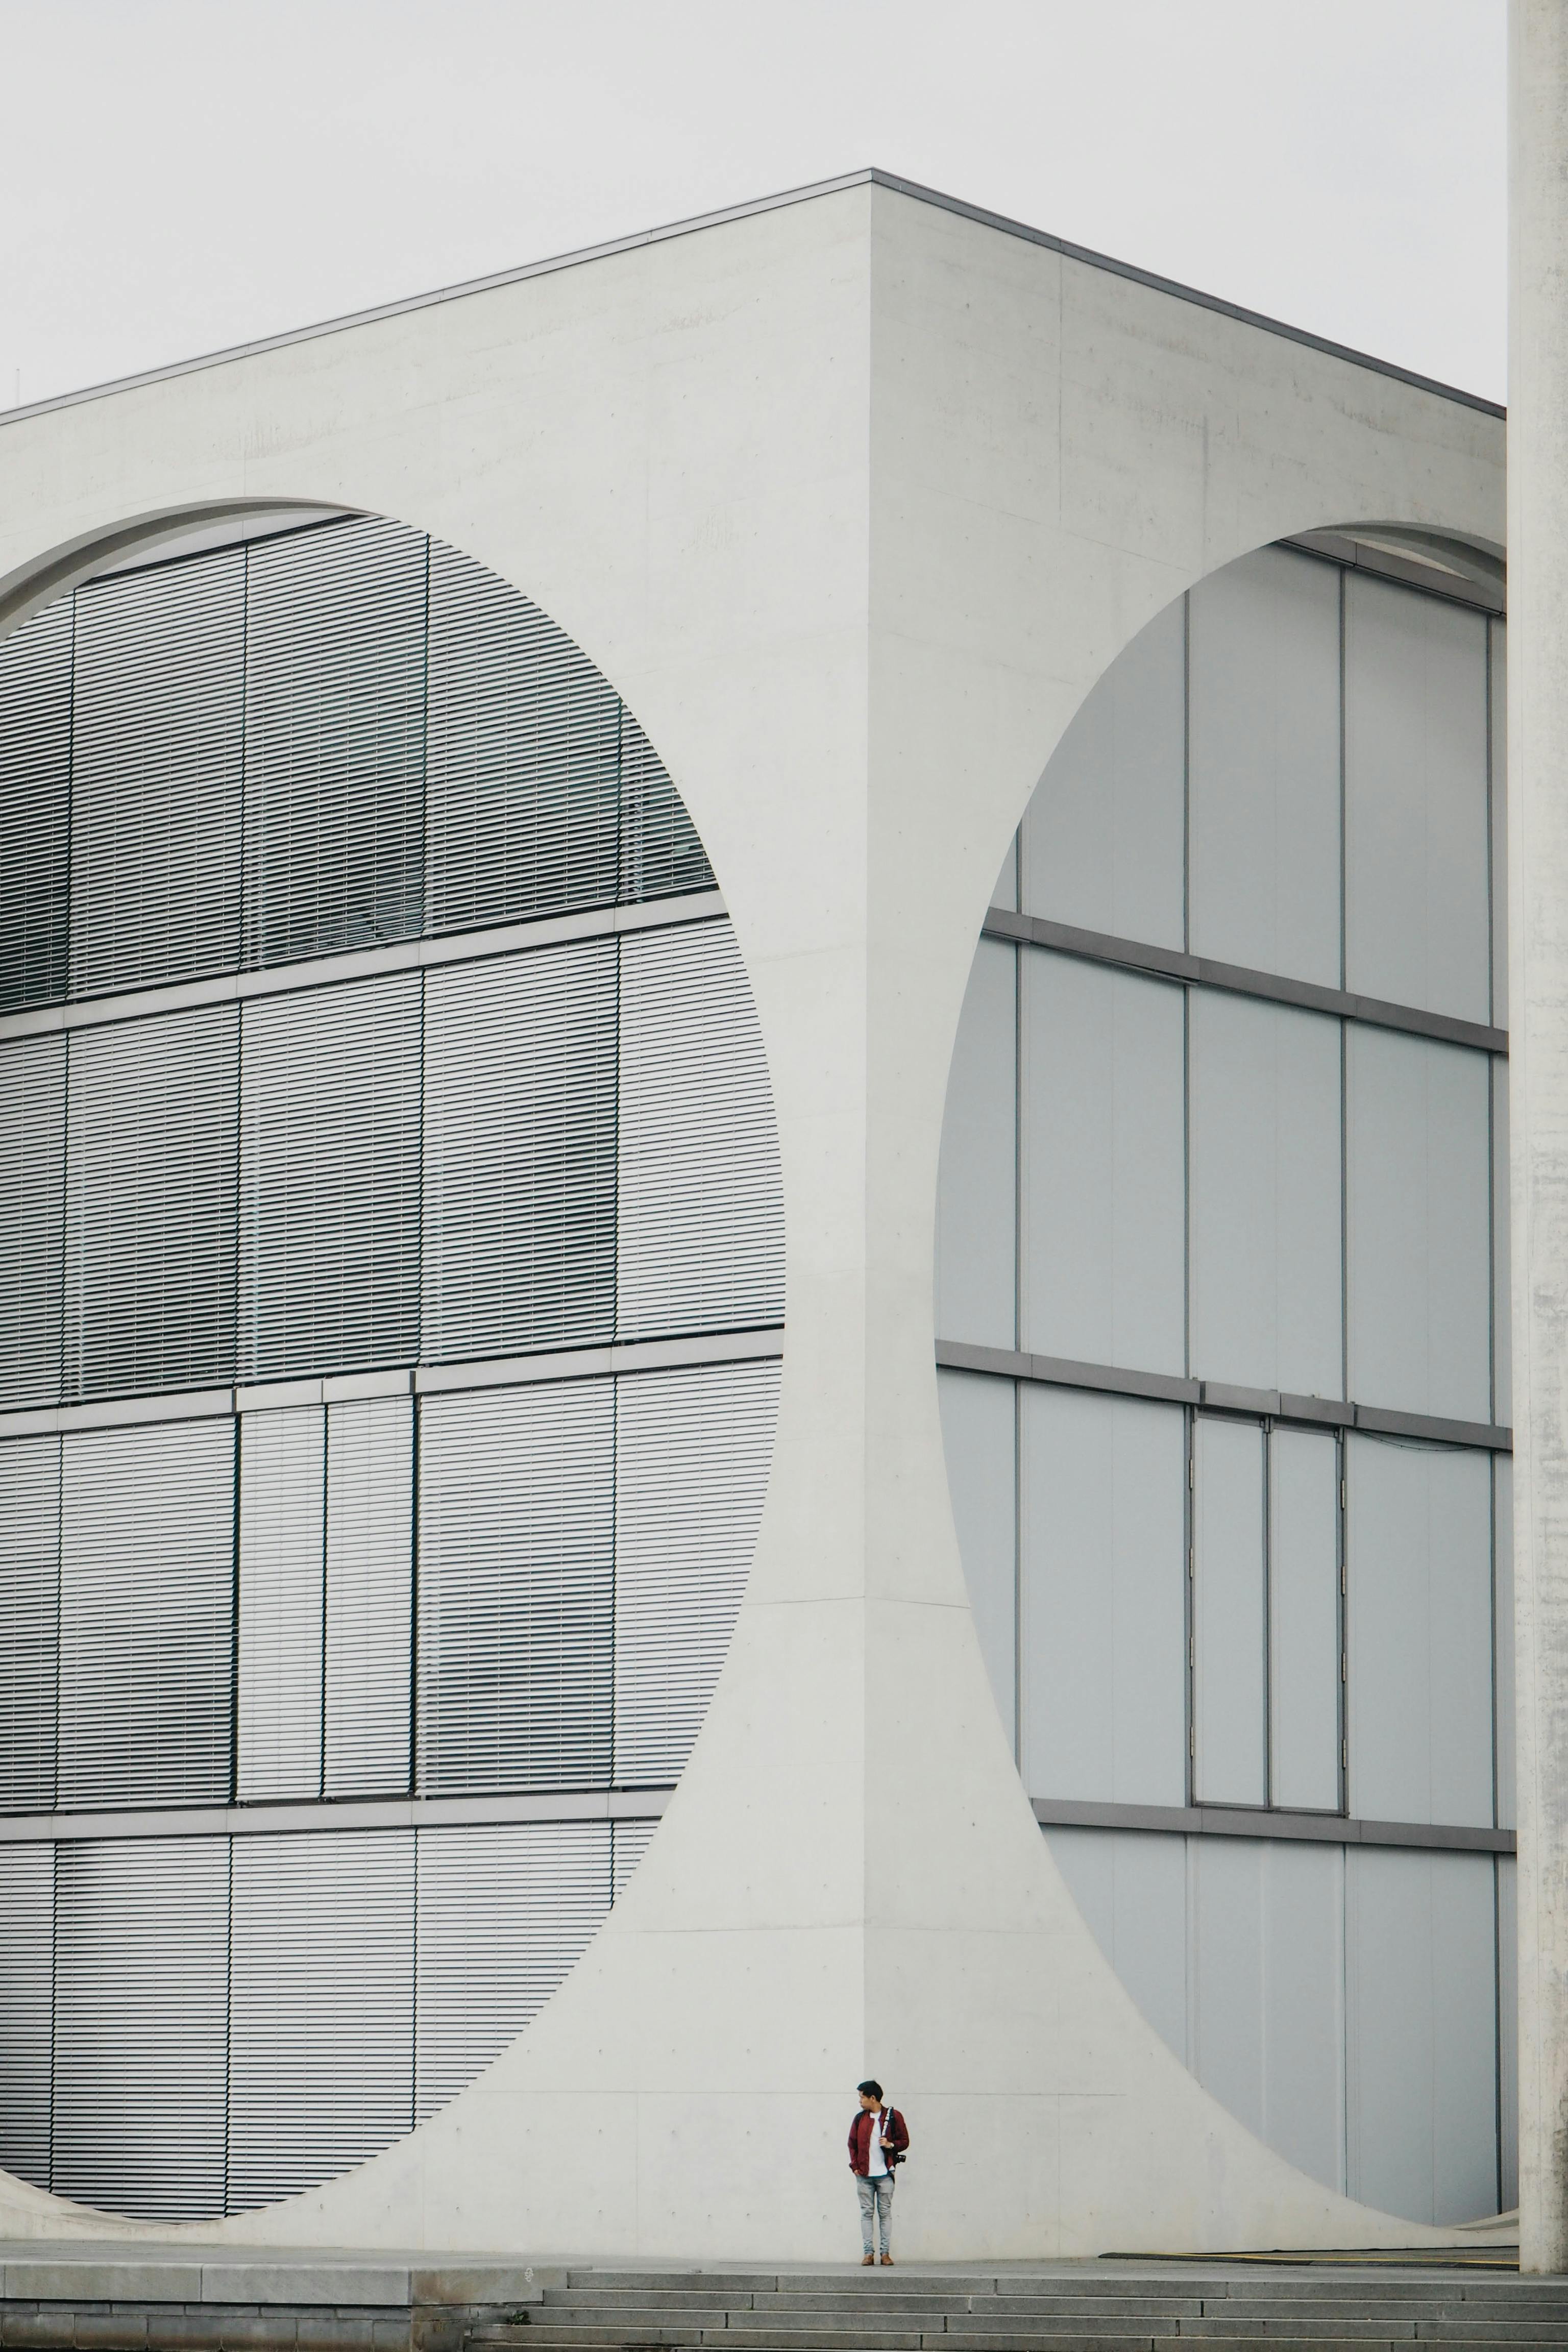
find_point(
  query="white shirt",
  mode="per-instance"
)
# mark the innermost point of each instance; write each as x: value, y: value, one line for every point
x: 876, y: 2162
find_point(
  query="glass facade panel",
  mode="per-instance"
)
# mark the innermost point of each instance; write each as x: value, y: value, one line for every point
x: 32, y: 1209
x: 281, y: 1535
x: 979, y: 1427
x: 1304, y: 1620
x: 34, y: 807
x: 976, y: 1215
x: 370, y: 1597
x: 27, y: 2003
x: 29, y: 1625
x: 1229, y: 1645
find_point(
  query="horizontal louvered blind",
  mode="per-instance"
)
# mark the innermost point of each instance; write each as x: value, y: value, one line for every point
x: 661, y: 853
x: 335, y: 745
x: 32, y: 1217
x: 370, y: 1597
x: 700, y: 1215
x: 281, y: 1538
x: 34, y: 807
x: 150, y: 1204
x: 523, y: 750
x: 156, y: 774
x: 503, y: 1913
x: 519, y: 1152
x: 29, y: 1623
x: 328, y: 1259
x: 630, y: 1843
x: 320, y: 2007
x: 27, y: 2006
x: 146, y: 1614
x: 515, y: 1589
x: 141, y: 1985
x: 692, y: 1450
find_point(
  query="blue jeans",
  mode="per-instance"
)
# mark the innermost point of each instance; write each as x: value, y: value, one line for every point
x: 875, y: 2195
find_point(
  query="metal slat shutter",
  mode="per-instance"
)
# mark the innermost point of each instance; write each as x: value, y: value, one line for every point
x: 661, y: 853
x: 27, y: 2005
x: 146, y: 1613
x: 692, y: 1450
x: 515, y: 1589
x: 335, y: 745
x: 519, y: 1152
x: 629, y: 1844
x: 320, y: 2007
x: 32, y: 1217
x: 156, y: 774
x: 503, y: 1913
x: 141, y: 2002
x: 29, y: 1623
x: 523, y: 753
x: 700, y: 1210
x: 281, y: 1541
x: 329, y: 1188
x: 34, y: 807
x: 370, y: 1596
x: 150, y: 1204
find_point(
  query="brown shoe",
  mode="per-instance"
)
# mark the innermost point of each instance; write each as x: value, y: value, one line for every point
x: 887, y: 2262
x: 866, y: 2258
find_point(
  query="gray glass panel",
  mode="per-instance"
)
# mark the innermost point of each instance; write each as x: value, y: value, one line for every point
x: 1230, y: 1643
x: 1102, y: 1172
x: 35, y: 805
x: 280, y: 1604
x: 1507, y: 2031
x: 150, y: 1204
x: 1417, y: 926
x: 976, y: 1201
x: 140, y: 2020
x: 155, y: 781
x: 334, y: 745
x: 1304, y: 1620
x: 1502, y: 1621
x: 692, y: 1450
x: 321, y: 2007
x: 27, y: 2005
x: 516, y: 1589
x: 1265, y: 1146
x: 1419, y: 1605
x: 1499, y: 822
x: 519, y: 1152
x: 146, y: 1614
x: 1264, y: 778
x: 1421, y: 2003
x: 700, y: 1203
x: 503, y: 1914
x: 370, y: 1597
x: 1103, y: 1571
x: 1103, y: 836
x: 661, y: 853
x: 1132, y: 1892
x: 1419, y: 1245
x: 329, y: 1178
x: 29, y: 1625
x: 521, y: 817
x: 1502, y: 1271
x: 979, y: 1423
x: 32, y: 1217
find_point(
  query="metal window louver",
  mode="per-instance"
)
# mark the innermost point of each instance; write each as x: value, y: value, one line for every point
x: 34, y: 807
x: 515, y: 1588
x: 692, y: 1450
x: 32, y: 1181
x: 519, y: 1152
x: 27, y: 2004
x: 150, y: 1204
x: 661, y: 856
x: 29, y: 1624
x: 156, y: 774
x: 370, y: 1533
x: 630, y: 1842
x: 503, y: 1913
x: 281, y: 1540
x: 146, y: 1614
x: 699, y: 1209
x: 334, y: 743
x: 329, y: 1188
x: 524, y: 746
x: 320, y: 2007
x: 140, y: 1982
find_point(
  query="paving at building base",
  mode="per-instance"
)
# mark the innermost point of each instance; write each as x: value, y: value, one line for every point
x: 360, y: 2302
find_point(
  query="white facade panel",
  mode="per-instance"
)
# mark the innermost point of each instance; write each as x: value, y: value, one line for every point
x: 1304, y: 1620
x: 281, y: 1600
x: 976, y: 1215
x: 1230, y: 1643
x: 979, y: 1428
x: 1131, y: 1889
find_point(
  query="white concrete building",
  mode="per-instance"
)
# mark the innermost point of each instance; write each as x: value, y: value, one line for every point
x: 566, y: 844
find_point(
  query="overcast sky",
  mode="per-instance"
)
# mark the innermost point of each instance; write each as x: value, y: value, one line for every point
x: 180, y: 174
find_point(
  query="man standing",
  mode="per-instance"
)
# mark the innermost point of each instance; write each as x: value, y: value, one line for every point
x: 878, y: 2138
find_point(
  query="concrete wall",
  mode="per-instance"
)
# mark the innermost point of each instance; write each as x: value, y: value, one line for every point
x: 853, y: 500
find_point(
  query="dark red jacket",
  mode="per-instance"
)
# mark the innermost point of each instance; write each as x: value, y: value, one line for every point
x: 895, y: 2135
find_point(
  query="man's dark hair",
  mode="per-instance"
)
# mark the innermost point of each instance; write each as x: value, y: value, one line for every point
x: 870, y: 2090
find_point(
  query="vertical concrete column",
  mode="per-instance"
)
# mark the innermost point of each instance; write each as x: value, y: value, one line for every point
x: 1538, y: 904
